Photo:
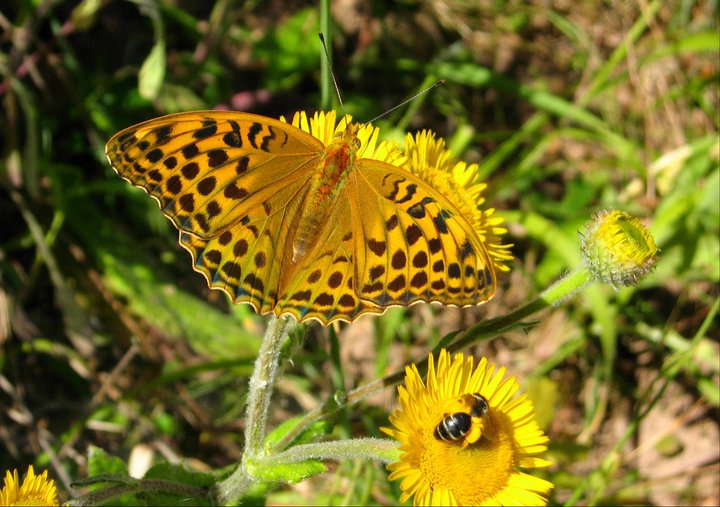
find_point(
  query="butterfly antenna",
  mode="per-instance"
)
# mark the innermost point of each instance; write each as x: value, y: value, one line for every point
x: 434, y: 85
x: 332, y: 74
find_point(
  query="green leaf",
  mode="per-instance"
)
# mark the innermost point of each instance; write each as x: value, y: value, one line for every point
x: 83, y: 16
x: 701, y: 42
x: 100, y: 462
x: 183, y: 474
x: 108, y: 479
x: 180, y: 474
x: 291, y: 50
x: 291, y: 473
x: 152, y: 72
x: 316, y: 429
x: 208, y: 330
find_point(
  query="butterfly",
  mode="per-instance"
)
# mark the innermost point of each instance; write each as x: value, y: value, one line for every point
x: 278, y: 219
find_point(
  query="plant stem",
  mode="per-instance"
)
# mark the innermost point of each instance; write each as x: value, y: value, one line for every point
x: 385, y: 451
x: 559, y: 290
x: 104, y: 495
x: 326, y: 87
x: 261, y: 386
x: 260, y: 390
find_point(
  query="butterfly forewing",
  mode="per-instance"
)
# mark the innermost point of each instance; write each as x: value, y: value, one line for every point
x: 419, y: 248
x: 208, y: 168
x: 228, y: 181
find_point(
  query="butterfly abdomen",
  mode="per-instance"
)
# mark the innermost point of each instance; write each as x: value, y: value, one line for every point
x: 325, y: 187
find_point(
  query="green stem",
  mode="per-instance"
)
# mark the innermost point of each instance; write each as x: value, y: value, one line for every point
x: 553, y: 295
x: 260, y: 390
x: 338, y: 382
x: 104, y: 495
x: 331, y: 405
x: 262, y: 384
x: 326, y: 62
x: 385, y: 451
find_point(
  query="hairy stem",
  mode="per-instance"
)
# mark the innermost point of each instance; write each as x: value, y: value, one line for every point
x: 385, y: 451
x: 260, y: 390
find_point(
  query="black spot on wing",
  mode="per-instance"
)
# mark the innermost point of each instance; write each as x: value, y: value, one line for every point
x: 162, y: 135
x: 399, y: 259
x: 217, y: 157
x: 411, y: 189
x: 207, y: 185
x: 154, y: 155
x: 225, y: 238
x: 174, y: 184
x: 209, y: 129
x: 412, y: 234
x: 190, y: 170
x: 233, y: 138
x: 440, y: 222
x: 391, y: 222
x: 241, y: 166
x: 213, y: 209
x: 253, y: 131
x: 267, y: 139
x: 189, y: 151
x: 417, y: 210
x: 377, y: 247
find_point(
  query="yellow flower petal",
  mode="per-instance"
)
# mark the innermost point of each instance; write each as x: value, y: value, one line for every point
x: 35, y: 490
x: 428, y: 158
x: 325, y: 127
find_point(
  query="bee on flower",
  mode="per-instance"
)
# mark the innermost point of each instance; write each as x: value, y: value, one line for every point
x: 499, y: 437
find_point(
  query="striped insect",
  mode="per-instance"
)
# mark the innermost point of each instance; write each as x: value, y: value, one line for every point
x: 454, y: 427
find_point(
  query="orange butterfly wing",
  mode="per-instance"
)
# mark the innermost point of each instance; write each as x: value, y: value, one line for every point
x: 236, y: 186
x: 418, y: 246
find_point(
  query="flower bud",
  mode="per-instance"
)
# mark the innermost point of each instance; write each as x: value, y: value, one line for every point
x: 618, y: 248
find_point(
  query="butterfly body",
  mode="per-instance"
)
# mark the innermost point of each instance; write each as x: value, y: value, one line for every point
x: 280, y: 220
x: 325, y: 188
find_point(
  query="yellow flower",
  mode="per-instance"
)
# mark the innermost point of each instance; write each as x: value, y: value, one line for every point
x: 35, y: 490
x: 324, y: 126
x: 428, y: 158
x: 481, y: 467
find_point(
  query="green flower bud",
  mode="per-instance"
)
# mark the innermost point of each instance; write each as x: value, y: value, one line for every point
x: 618, y: 248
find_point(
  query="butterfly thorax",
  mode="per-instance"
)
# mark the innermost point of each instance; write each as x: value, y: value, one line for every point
x: 337, y: 162
x: 326, y: 186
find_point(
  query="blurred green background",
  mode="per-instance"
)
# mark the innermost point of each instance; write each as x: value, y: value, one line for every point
x: 108, y: 337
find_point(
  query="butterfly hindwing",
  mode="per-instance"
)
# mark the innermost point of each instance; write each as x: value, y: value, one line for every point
x: 324, y: 289
x: 242, y: 260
